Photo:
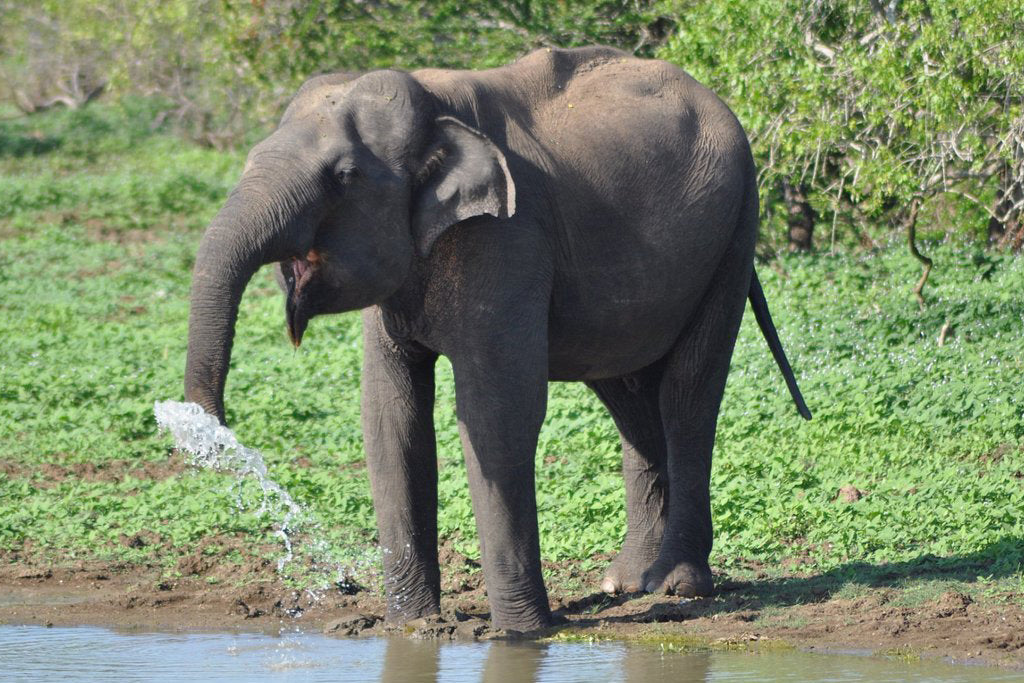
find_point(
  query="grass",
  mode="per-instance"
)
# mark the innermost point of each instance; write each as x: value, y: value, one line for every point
x: 99, y: 224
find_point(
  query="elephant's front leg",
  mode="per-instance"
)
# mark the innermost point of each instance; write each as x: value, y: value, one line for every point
x: 501, y: 396
x: 401, y: 455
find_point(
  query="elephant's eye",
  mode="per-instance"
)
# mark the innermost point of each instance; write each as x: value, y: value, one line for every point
x: 346, y: 175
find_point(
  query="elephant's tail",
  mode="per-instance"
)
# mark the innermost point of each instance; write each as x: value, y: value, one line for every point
x: 764, y: 321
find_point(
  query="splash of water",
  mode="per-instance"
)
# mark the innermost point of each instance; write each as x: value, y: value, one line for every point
x: 211, y: 445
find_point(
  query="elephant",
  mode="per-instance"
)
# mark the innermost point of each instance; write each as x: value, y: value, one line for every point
x: 576, y: 215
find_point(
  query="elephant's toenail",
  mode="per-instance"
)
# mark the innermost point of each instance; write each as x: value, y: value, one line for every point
x: 685, y: 590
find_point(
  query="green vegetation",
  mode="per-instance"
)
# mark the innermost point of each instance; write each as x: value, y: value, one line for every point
x: 223, y: 66
x: 863, y: 113
x: 865, y: 116
x: 912, y: 470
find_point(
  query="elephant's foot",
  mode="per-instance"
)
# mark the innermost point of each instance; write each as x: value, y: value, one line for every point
x: 682, y: 578
x: 405, y: 605
x: 626, y: 572
x: 400, y: 617
x: 524, y: 618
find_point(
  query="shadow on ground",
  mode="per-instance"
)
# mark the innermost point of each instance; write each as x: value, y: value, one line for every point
x: 998, y: 560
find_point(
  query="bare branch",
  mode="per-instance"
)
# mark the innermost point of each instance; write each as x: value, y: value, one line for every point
x: 911, y: 224
x: 825, y: 51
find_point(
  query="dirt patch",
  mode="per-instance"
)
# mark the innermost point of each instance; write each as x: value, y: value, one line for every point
x: 203, y: 594
x: 208, y: 592
x: 108, y: 268
x: 99, y: 231
x: 50, y: 474
x: 460, y: 575
x: 850, y: 494
x: 996, y: 455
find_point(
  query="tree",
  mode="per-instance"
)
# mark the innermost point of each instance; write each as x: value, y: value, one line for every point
x: 871, y: 110
x: 226, y: 65
x: 860, y: 114
x: 45, y: 62
x: 66, y: 51
x: 281, y: 42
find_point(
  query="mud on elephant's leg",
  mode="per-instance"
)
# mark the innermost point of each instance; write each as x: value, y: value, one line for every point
x: 633, y: 404
x: 690, y: 396
x: 401, y: 455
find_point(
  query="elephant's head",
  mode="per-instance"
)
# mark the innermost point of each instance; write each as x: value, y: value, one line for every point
x: 358, y: 181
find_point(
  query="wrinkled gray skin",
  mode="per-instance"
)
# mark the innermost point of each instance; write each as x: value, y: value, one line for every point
x: 578, y: 215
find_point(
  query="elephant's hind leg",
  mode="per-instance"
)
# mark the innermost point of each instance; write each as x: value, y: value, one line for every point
x: 633, y: 404
x: 690, y: 395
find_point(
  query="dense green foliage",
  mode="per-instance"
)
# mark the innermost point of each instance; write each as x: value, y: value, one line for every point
x: 226, y: 66
x: 290, y: 40
x: 868, y: 114
x: 871, y: 107
x: 96, y: 243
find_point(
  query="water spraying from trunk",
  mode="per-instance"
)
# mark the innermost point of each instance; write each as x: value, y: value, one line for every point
x: 211, y: 445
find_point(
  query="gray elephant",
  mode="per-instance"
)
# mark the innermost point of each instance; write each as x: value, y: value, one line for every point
x: 579, y: 215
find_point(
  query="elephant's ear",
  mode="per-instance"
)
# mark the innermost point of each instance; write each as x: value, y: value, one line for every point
x: 463, y: 175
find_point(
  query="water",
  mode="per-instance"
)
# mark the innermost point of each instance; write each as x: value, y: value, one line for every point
x: 214, y: 446
x: 210, y: 445
x: 36, y: 653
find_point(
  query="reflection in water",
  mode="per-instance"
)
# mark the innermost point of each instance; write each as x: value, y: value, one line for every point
x: 503, y: 662
x: 33, y: 653
x: 508, y: 663
x: 649, y: 666
x: 410, y: 660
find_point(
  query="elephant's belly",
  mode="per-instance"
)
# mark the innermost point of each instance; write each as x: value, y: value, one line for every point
x: 625, y: 299
x: 613, y: 342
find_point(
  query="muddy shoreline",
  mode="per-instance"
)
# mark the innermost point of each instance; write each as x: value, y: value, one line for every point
x: 952, y: 626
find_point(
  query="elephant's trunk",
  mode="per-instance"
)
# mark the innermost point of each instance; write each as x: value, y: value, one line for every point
x: 245, y: 234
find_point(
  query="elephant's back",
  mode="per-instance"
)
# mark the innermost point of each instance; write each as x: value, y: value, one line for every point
x: 639, y: 176
x: 642, y: 149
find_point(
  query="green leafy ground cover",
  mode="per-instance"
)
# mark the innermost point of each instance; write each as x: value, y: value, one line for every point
x: 99, y: 220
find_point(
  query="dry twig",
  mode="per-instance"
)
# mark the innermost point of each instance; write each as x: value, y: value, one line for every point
x: 911, y: 223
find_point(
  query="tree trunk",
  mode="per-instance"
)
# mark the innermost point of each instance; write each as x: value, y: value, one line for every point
x: 1006, y: 227
x: 799, y: 216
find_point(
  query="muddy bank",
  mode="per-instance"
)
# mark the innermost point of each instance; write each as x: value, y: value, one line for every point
x: 951, y: 625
